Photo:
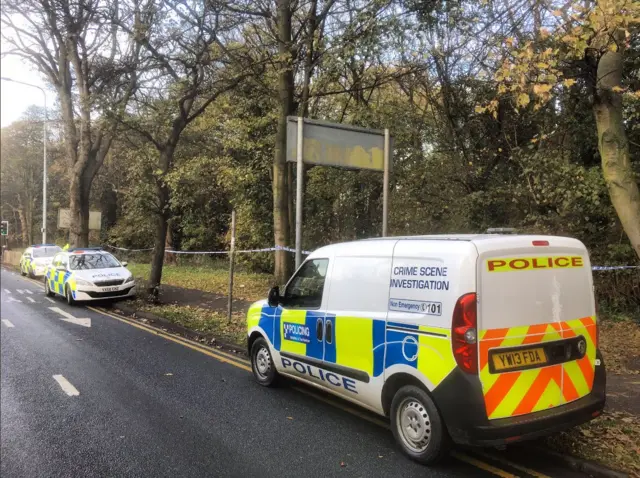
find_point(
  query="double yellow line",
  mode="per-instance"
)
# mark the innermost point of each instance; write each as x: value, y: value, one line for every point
x: 246, y: 365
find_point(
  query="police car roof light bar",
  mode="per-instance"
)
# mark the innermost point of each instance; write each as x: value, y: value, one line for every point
x: 43, y: 245
x: 502, y: 230
x: 78, y: 249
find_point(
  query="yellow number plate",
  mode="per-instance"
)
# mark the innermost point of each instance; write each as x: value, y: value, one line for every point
x: 518, y: 359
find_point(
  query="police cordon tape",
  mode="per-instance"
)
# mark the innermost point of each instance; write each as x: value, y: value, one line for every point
x: 290, y: 249
x: 171, y: 251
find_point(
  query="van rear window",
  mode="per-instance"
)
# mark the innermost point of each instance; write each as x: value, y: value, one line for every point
x: 531, y: 290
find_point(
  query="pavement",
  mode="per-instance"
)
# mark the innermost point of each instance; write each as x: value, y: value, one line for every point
x: 85, y: 392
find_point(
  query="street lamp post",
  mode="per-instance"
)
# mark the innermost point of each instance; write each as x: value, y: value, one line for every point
x: 44, y: 159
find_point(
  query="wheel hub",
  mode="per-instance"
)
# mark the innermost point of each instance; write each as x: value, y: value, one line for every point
x: 415, y: 425
x: 263, y: 362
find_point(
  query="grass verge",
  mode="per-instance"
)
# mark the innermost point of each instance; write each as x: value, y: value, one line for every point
x: 201, y: 320
x: 247, y: 286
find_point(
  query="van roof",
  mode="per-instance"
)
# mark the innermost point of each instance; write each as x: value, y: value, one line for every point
x: 440, y: 237
x: 481, y: 241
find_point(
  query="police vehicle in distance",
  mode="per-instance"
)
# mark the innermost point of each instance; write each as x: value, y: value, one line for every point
x: 473, y: 339
x: 85, y: 274
x: 36, y: 258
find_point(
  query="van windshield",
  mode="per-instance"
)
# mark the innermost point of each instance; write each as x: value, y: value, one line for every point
x: 39, y: 252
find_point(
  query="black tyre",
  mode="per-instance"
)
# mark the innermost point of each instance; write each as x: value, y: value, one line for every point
x: 47, y: 290
x: 31, y: 274
x: 417, y: 426
x: 69, y: 296
x: 22, y: 272
x: 264, y: 370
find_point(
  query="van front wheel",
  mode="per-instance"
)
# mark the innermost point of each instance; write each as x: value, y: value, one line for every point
x: 418, y: 427
x: 262, y: 364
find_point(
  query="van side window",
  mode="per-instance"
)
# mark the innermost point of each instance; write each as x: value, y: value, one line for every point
x: 305, y: 289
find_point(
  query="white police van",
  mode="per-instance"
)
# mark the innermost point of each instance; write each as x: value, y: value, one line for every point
x: 85, y: 274
x: 473, y: 339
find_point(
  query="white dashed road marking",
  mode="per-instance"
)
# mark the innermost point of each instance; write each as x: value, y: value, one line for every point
x: 51, y: 300
x: 7, y: 291
x: 30, y: 299
x: 11, y: 299
x: 28, y: 291
x: 66, y: 386
x: 20, y: 291
x: 7, y: 323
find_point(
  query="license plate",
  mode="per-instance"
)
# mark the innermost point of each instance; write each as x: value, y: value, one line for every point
x: 109, y: 289
x: 518, y: 359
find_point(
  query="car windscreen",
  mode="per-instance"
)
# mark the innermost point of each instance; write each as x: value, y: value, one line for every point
x: 82, y: 262
x: 45, y: 251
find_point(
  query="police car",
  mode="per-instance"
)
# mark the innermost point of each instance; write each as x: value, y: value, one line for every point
x: 35, y: 259
x: 86, y: 274
x: 472, y: 339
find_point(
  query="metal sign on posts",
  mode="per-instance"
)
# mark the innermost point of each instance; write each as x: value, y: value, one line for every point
x: 340, y: 145
x: 64, y: 219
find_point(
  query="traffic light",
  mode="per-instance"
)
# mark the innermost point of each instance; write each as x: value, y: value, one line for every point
x: 4, y: 228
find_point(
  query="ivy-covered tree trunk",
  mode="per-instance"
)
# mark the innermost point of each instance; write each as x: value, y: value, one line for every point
x: 614, y: 147
x: 281, y: 226
x: 162, y: 220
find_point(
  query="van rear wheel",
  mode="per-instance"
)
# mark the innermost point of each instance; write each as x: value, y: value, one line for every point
x: 417, y: 426
x: 264, y: 370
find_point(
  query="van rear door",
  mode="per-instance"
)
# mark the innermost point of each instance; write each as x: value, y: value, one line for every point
x: 537, y: 324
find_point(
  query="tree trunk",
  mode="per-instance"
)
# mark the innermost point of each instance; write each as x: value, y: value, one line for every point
x: 162, y: 219
x: 24, y: 226
x: 79, y: 210
x: 281, y: 226
x: 614, y: 148
x: 168, y: 244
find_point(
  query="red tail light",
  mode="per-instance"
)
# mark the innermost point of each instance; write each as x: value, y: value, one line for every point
x: 464, y: 333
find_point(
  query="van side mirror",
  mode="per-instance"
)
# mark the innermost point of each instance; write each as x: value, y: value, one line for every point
x: 274, y: 298
x: 124, y: 264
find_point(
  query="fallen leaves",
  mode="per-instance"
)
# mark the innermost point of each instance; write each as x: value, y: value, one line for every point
x: 609, y: 439
x: 619, y: 344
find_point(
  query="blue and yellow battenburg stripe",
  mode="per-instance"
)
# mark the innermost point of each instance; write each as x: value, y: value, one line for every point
x: 58, y: 279
x: 360, y: 343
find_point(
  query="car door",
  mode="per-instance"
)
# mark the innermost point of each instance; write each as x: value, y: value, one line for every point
x: 25, y: 260
x: 51, y: 274
x: 301, y: 325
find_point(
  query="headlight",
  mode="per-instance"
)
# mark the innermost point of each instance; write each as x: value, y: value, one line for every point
x: 129, y: 279
x: 84, y: 282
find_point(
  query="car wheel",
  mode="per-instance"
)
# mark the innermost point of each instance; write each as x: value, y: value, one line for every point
x: 22, y: 272
x: 264, y: 370
x: 69, y: 295
x: 47, y: 290
x: 417, y: 426
x: 31, y: 274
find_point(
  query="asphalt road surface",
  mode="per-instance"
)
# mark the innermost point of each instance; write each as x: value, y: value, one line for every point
x: 85, y: 394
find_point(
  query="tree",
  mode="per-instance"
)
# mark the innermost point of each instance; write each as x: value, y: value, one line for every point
x: 584, y: 47
x: 22, y: 171
x: 189, y: 44
x: 81, y: 52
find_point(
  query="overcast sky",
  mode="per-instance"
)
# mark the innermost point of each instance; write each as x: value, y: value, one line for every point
x: 17, y: 98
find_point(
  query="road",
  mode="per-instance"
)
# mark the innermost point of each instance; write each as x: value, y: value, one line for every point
x: 118, y: 399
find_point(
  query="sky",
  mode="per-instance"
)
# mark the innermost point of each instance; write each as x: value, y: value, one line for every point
x: 16, y: 98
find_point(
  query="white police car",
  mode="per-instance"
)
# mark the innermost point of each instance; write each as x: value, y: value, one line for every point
x: 85, y: 274
x: 36, y: 259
